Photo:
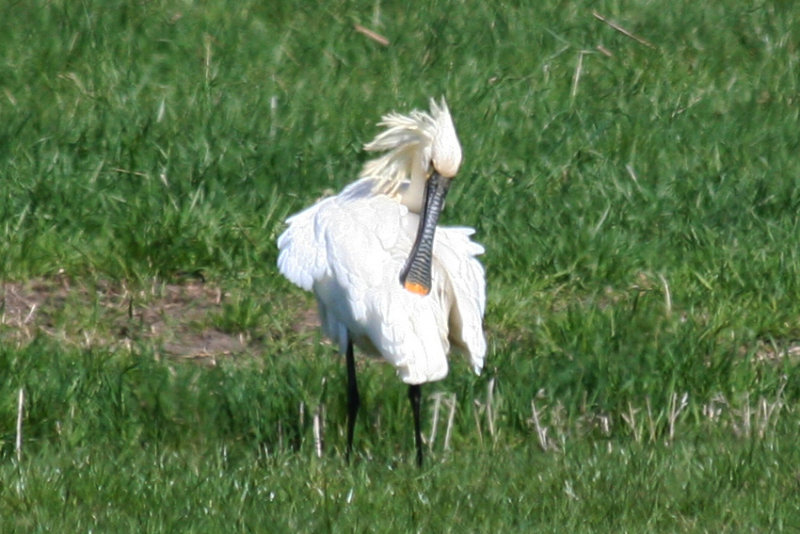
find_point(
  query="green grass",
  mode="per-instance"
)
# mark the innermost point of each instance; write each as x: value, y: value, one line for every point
x: 639, y: 206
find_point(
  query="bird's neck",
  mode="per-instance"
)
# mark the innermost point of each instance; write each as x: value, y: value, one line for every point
x: 412, y: 194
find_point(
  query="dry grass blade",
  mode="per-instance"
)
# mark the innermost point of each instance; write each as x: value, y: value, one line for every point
x: 541, y: 431
x: 476, y: 415
x: 622, y: 30
x: 766, y: 410
x: 318, y: 438
x: 490, y: 406
x: 437, y: 402
x: 667, y: 295
x: 378, y: 38
x: 630, y: 419
x: 450, y: 418
x: 605, y: 51
x: 576, y: 78
x: 650, y: 421
x: 675, y: 408
x: 20, y: 408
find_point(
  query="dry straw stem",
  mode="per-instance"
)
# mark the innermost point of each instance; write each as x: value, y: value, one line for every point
x: 318, y: 430
x: 651, y: 421
x: 761, y: 417
x: 576, y: 78
x: 440, y: 398
x: 378, y: 38
x: 437, y: 402
x: 675, y: 408
x: 605, y: 51
x: 450, y: 418
x: 541, y: 431
x: 20, y: 408
x: 630, y: 419
x: 490, y: 406
x: 623, y: 31
x: 208, y: 56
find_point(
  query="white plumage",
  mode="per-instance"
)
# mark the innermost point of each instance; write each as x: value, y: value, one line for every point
x: 350, y: 249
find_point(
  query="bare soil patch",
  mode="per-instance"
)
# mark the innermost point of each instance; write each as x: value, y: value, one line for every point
x: 176, y: 319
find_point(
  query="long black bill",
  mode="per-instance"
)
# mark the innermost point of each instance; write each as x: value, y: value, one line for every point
x: 416, y: 275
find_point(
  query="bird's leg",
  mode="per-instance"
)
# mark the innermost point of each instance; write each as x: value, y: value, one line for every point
x: 353, y: 400
x: 414, y: 395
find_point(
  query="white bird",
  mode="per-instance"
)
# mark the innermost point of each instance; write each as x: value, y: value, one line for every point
x: 381, y: 279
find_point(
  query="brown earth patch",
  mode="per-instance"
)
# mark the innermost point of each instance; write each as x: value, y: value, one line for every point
x: 176, y: 319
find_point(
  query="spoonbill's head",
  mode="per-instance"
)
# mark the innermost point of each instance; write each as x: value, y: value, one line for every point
x: 445, y: 148
x: 417, y: 145
x: 422, y: 157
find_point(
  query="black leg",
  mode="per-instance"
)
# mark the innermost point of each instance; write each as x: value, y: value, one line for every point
x: 414, y: 395
x: 352, y: 397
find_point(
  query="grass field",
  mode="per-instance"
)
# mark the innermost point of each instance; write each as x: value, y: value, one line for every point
x: 631, y: 167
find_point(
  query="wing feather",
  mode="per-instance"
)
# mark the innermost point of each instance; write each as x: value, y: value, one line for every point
x: 302, y: 255
x: 457, y: 254
x: 350, y: 249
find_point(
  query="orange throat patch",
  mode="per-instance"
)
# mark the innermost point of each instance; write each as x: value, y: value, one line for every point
x: 414, y: 287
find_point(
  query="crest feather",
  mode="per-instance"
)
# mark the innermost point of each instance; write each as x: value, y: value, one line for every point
x: 407, y: 141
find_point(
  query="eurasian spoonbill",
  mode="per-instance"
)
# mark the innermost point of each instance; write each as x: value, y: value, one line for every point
x: 381, y: 279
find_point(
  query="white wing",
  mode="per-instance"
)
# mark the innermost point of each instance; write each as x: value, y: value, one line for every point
x: 350, y: 249
x: 456, y: 253
x: 302, y: 257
